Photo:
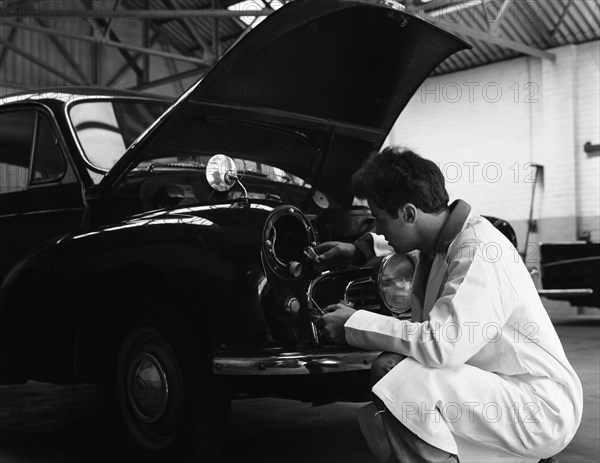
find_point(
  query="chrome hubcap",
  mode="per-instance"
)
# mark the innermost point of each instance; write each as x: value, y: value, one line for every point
x: 148, y: 388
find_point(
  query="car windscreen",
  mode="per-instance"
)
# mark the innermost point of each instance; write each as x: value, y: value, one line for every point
x: 105, y: 128
x: 273, y: 153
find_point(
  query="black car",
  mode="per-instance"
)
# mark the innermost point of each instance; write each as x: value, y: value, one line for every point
x: 569, y: 272
x: 172, y: 264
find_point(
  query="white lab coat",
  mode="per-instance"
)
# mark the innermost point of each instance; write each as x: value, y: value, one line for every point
x: 486, y: 367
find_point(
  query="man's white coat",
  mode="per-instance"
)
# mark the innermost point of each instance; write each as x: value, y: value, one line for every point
x: 486, y: 366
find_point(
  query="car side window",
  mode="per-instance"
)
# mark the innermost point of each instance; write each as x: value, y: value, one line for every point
x: 48, y: 163
x: 16, y: 138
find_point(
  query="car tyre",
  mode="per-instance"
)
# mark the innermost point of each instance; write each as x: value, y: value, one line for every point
x: 162, y: 395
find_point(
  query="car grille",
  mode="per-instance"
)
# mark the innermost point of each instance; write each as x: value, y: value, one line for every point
x: 362, y: 294
x: 355, y: 286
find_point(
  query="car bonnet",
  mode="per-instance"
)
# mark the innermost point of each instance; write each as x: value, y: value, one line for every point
x: 339, y: 71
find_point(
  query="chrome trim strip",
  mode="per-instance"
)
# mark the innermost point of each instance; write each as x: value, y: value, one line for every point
x: 379, y: 285
x: 28, y: 97
x: 314, y: 331
x: 570, y: 261
x: 49, y: 211
x: 92, y: 98
x: 359, y: 281
x: 566, y: 292
x: 562, y: 242
x: 311, y: 288
x: 323, y: 360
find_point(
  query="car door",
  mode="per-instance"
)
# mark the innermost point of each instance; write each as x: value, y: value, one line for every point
x: 40, y: 196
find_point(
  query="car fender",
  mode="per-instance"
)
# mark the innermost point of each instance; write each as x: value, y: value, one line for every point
x: 60, y: 291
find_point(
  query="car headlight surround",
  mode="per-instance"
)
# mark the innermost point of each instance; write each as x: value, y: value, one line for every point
x: 394, y: 282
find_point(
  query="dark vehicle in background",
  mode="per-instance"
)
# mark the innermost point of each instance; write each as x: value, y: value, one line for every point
x: 173, y: 268
x: 571, y: 272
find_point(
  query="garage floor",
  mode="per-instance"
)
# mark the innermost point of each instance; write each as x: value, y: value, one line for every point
x: 42, y: 423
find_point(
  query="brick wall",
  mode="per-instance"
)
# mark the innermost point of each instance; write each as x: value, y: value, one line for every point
x: 488, y: 126
x: 587, y: 129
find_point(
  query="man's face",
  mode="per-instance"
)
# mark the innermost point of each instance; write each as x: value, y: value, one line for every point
x: 398, y: 231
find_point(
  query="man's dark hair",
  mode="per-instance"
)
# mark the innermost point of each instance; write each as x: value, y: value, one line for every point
x: 397, y: 176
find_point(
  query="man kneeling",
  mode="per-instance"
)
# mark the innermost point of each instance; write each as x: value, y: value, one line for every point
x: 480, y: 365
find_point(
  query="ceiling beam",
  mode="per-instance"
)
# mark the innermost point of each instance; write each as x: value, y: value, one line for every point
x: 68, y: 79
x: 63, y: 51
x: 560, y: 20
x: 101, y: 24
x: 61, y: 48
x: 123, y: 69
x: 167, y: 38
x: 225, y: 38
x: 127, y: 15
x: 489, y: 38
x: 11, y: 38
x: 172, y: 67
x: 442, y: 17
x: 146, y: 44
x: 434, y: 9
x: 216, y: 34
x: 167, y: 80
x: 533, y: 20
x: 494, y: 27
x: 110, y: 21
x: 104, y: 29
x: 189, y: 27
x: 106, y: 43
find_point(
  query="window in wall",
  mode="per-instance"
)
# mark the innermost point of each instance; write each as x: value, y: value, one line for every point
x: 16, y: 138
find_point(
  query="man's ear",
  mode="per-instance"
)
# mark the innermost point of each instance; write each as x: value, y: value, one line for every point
x: 409, y: 212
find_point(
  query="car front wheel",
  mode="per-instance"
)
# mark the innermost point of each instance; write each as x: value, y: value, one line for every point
x: 162, y: 395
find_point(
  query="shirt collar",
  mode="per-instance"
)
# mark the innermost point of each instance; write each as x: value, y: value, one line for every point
x: 459, y: 212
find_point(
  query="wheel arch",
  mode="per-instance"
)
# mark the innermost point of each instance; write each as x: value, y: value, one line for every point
x: 101, y: 313
x: 157, y: 305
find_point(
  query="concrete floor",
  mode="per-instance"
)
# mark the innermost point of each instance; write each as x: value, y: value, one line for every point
x: 43, y: 423
x: 581, y: 340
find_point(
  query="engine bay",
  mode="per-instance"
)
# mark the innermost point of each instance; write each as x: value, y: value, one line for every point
x: 297, y: 291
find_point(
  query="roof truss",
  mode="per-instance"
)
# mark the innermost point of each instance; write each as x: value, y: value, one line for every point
x: 495, y: 25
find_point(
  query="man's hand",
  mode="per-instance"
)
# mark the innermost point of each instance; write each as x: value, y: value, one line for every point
x: 332, y: 323
x: 334, y: 254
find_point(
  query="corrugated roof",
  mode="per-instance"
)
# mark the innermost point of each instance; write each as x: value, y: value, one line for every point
x: 497, y: 29
x: 538, y: 24
x: 191, y: 35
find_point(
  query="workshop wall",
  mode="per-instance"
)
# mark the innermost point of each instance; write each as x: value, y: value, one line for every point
x: 488, y: 127
x: 587, y: 130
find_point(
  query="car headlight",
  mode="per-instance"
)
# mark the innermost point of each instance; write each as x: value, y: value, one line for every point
x: 394, y: 282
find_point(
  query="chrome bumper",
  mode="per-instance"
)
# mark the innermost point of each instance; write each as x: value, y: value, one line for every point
x: 317, y: 360
x: 580, y: 292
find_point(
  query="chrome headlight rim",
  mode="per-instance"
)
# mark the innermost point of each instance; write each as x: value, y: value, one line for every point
x: 385, y: 264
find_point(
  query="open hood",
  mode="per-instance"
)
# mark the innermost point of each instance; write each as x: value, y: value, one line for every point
x: 341, y: 71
